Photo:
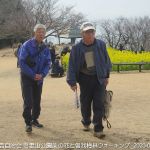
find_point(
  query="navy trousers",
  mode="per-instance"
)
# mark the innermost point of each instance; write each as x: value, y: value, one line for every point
x: 31, y: 94
x: 92, y: 98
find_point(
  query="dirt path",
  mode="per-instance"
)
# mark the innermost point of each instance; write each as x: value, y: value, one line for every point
x: 129, y: 116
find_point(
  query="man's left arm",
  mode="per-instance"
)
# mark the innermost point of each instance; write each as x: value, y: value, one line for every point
x: 108, y: 65
x: 107, y: 61
x: 47, y: 64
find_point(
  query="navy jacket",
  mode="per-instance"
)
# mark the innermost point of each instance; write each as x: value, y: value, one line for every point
x: 42, y: 59
x: 76, y: 61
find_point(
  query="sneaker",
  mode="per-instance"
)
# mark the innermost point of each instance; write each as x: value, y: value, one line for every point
x: 28, y: 128
x: 86, y: 128
x: 99, y: 134
x: 35, y: 123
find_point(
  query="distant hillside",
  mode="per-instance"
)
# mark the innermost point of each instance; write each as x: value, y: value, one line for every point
x: 9, y: 12
x: 7, y: 8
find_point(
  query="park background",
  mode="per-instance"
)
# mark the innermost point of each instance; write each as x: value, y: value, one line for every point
x: 123, y: 25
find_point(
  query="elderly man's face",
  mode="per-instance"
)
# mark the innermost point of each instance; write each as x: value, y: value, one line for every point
x: 40, y: 34
x: 88, y: 36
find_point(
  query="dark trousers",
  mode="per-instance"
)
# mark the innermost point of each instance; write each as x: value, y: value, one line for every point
x: 92, y: 95
x: 31, y: 94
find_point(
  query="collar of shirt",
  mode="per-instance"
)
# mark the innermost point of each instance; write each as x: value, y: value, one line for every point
x: 35, y: 44
x: 90, y: 44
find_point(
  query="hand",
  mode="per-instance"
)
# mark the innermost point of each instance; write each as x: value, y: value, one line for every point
x: 38, y: 77
x: 106, y: 81
x: 74, y: 88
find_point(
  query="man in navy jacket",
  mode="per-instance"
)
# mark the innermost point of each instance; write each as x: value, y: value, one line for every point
x: 34, y: 61
x: 89, y: 65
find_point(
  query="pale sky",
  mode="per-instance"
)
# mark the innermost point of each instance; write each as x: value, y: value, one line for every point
x: 110, y: 9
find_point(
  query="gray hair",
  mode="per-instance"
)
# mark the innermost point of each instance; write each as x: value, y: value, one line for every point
x: 41, y: 26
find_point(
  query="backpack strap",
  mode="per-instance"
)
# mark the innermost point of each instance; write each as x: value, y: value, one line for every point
x: 40, y: 49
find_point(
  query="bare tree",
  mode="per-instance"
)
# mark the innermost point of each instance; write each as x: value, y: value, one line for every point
x: 22, y: 15
x: 57, y: 19
x: 133, y: 34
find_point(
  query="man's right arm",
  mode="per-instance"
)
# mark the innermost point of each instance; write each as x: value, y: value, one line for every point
x: 71, y: 73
